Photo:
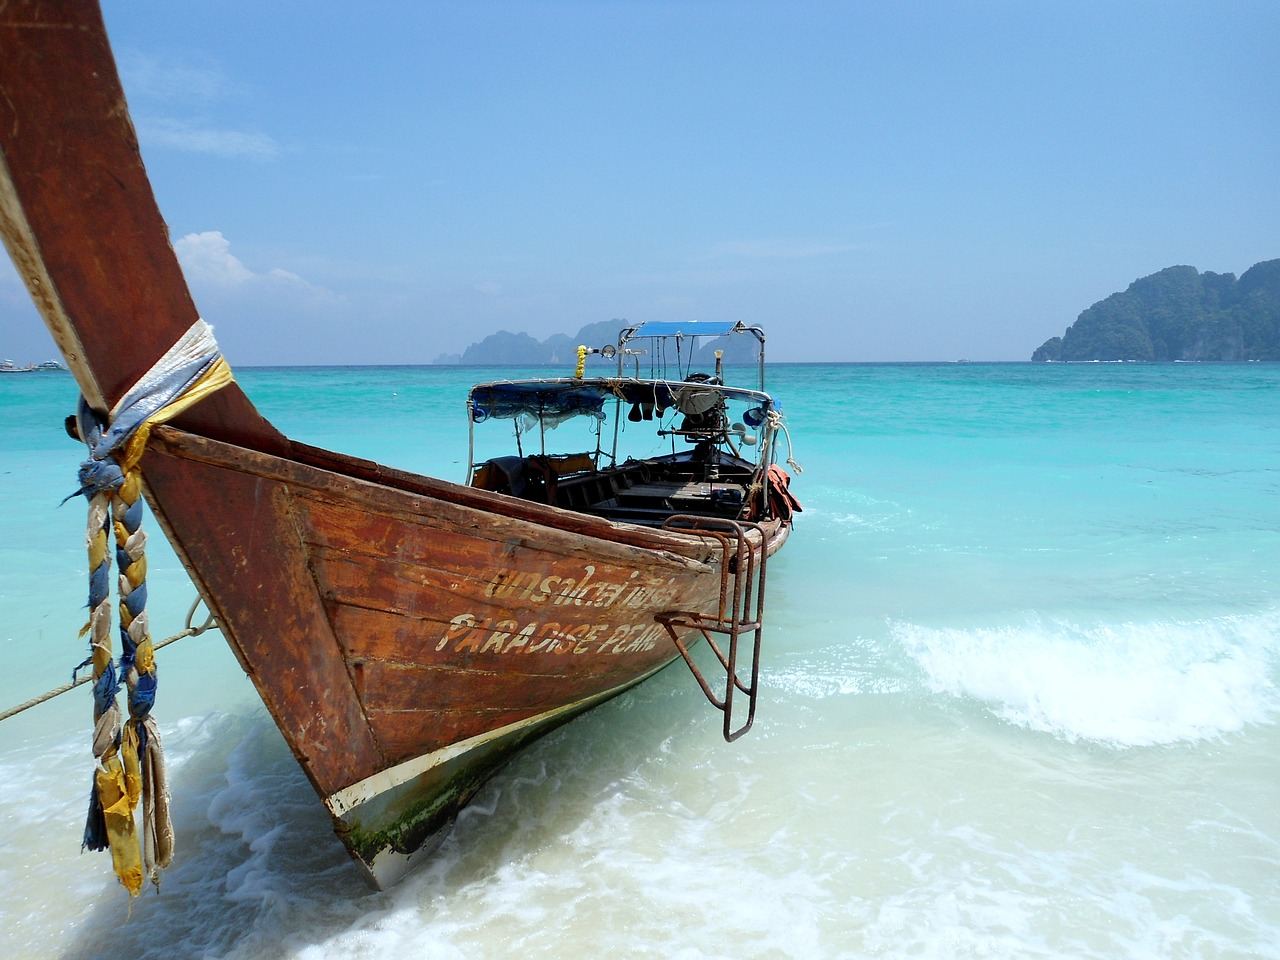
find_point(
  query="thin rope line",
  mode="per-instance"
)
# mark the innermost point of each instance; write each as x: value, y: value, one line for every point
x: 190, y: 631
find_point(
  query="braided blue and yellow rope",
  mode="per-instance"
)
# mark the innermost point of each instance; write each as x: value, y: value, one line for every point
x: 128, y: 757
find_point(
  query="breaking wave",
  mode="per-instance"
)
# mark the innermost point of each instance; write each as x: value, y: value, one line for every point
x: 1124, y: 684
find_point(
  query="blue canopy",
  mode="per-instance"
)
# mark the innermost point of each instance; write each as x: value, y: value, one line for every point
x: 687, y: 328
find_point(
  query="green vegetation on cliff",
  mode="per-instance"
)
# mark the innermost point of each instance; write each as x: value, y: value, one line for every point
x: 1180, y: 314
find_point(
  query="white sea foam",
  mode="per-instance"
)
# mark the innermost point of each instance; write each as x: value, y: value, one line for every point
x: 848, y: 668
x: 633, y: 873
x: 1126, y: 684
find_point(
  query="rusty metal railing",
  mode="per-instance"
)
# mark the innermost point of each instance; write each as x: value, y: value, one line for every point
x: 739, y: 612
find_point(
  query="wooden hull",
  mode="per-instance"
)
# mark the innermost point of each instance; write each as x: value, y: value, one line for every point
x: 408, y: 635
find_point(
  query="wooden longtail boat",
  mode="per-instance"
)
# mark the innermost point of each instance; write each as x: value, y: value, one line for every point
x: 407, y: 634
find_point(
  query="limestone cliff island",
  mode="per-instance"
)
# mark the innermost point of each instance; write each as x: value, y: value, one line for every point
x: 1180, y: 313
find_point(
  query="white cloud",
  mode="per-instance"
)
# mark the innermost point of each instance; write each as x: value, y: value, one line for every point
x: 207, y: 257
x: 207, y: 261
x: 194, y: 138
x: 262, y: 316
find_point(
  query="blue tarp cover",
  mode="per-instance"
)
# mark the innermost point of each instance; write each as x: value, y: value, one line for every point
x: 554, y: 401
x: 543, y: 400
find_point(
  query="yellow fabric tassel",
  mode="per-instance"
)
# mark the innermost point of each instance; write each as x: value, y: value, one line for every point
x: 126, y: 856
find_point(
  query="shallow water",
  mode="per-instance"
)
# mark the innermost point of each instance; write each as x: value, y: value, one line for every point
x: 1021, y: 701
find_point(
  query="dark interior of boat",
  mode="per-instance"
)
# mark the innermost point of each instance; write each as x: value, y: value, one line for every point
x: 705, y: 481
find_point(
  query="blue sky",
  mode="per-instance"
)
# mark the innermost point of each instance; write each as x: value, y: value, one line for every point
x: 384, y: 182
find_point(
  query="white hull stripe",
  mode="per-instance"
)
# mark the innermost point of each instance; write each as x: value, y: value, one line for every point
x: 348, y: 798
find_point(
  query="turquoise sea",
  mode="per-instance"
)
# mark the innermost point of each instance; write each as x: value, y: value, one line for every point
x: 1021, y: 701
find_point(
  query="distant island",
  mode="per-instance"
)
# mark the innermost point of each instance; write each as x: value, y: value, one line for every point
x: 503, y: 349
x: 1179, y: 314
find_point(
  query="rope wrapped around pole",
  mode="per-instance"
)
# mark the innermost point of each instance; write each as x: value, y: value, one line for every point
x: 129, y: 761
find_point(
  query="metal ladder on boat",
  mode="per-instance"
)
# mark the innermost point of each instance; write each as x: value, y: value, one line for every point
x: 739, y: 613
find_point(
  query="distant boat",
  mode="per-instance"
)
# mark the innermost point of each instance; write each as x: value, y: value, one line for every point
x: 408, y: 635
x: 8, y: 366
